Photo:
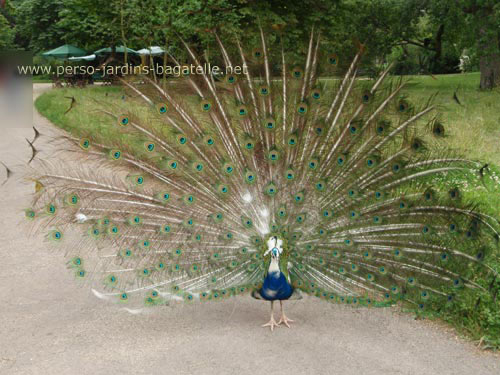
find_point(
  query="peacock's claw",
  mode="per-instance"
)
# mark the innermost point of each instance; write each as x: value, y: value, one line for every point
x: 272, y: 323
x: 285, y: 320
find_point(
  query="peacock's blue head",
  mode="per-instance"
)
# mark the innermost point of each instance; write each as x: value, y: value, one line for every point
x: 274, y: 246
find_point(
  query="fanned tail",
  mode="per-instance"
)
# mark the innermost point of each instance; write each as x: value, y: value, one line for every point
x: 195, y: 176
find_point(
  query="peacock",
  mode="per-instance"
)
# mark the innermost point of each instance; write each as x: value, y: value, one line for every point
x: 283, y: 178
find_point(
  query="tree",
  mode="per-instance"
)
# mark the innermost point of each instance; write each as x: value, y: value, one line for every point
x: 92, y: 24
x: 7, y: 34
x: 37, y: 24
x: 484, y: 19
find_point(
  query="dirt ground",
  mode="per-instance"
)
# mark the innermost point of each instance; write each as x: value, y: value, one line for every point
x: 50, y: 325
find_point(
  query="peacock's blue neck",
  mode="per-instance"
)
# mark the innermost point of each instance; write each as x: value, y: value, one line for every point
x: 275, y: 286
x: 274, y: 267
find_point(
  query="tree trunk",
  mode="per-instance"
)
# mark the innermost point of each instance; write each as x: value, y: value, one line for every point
x: 489, y: 66
x: 435, y: 65
x: 489, y: 52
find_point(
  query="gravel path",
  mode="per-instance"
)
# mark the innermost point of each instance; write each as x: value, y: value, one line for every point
x: 49, y: 325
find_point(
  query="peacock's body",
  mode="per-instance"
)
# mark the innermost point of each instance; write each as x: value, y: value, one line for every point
x: 268, y: 182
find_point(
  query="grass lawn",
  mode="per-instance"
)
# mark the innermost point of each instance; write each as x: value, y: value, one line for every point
x: 41, y: 80
x: 474, y: 126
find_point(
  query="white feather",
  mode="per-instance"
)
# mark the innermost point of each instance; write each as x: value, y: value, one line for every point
x: 100, y: 295
x: 80, y: 218
x: 132, y: 311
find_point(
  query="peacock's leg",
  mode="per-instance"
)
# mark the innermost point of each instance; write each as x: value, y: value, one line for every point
x: 272, y: 323
x: 284, y: 318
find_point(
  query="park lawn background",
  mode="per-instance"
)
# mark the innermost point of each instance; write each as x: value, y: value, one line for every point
x: 472, y: 129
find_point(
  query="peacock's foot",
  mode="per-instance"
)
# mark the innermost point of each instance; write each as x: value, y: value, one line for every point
x: 272, y: 323
x: 285, y: 320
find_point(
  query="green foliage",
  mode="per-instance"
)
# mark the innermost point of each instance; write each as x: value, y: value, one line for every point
x: 6, y: 34
x: 36, y: 24
x: 478, y: 317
